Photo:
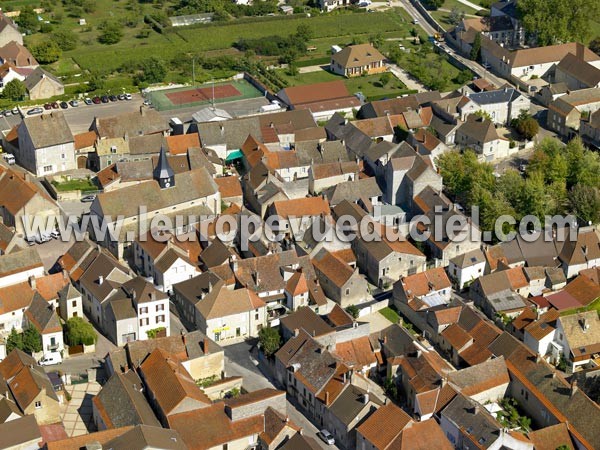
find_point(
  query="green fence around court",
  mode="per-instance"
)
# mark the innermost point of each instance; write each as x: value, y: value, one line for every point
x: 161, y: 102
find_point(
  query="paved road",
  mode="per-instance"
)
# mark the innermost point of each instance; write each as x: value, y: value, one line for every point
x: 239, y: 361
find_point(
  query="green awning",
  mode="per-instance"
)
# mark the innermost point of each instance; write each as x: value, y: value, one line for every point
x: 236, y: 154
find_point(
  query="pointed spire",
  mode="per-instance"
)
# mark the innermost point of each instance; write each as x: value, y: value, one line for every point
x: 163, y: 173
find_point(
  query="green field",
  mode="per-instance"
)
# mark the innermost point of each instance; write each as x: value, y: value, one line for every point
x: 93, y: 55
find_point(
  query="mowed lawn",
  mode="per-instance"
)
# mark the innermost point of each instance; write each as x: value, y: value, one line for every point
x: 94, y: 55
x: 369, y: 85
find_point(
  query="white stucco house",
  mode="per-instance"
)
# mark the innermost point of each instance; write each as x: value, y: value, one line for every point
x: 464, y: 269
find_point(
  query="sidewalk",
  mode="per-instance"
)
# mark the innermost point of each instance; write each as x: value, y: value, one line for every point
x: 77, y: 414
x: 403, y: 76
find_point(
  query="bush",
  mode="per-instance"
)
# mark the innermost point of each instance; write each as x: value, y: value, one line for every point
x: 65, y: 39
x: 154, y: 332
x: 14, y: 90
x: 353, y: 311
x: 46, y: 52
x: 80, y: 332
x: 110, y: 32
x: 269, y: 340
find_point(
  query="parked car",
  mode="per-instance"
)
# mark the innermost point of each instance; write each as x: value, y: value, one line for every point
x: 128, y: 97
x: 147, y: 102
x: 96, y: 100
x: 35, y: 111
x: 30, y: 240
x: 88, y: 101
x: 326, y: 437
x: 104, y: 99
x: 42, y: 237
x: 10, y: 159
x: 88, y: 198
x: 50, y: 359
x: 55, y: 234
x: 47, y: 106
x: 55, y: 105
x: 7, y: 113
x: 121, y: 96
x: 64, y: 105
x: 112, y: 98
x: 74, y: 103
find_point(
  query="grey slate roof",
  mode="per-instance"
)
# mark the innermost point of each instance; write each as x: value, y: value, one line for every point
x: 36, y: 76
x: 474, y: 419
x: 497, y: 96
x: 350, y: 403
x: 352, y: 191
x: 123, y: 402
x: 231, y: 132
x: 134, y: 123
x: 21, y: 260
x: 47, y: 130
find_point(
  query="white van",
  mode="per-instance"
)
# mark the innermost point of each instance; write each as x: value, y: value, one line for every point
x: 50, y: 359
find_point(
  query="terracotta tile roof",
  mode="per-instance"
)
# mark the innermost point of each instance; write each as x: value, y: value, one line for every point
x: 544, y: 326
x: 229, y: 186
x: 336, y: 270
x: 178, y: 144
x: 15, y: 297
x: 481, y: 377
x: 333, y: 169
x: 297, y: 284
x: 356, y: 353
x: 275, y: 424
x: 384, y: 425
x: 211, y: 427
x: 423, y: 435
x: 447, y: 316
x: 78, y: 442
x: 583, y: 289
x: 108, y: 175
x: 456, y: 336
x: 222, y: 302
x: 527, y: 317
x: 304, y: 318
x: 16, y: 191
x: 49, y: 285
x: 84, y: 140
x: 338, y: 317
x: 423, y: 283
x: 475, y: 354
x: 551, y: 437
x: 170, y: 382
x: 310, y: 206
x: 17, y: 54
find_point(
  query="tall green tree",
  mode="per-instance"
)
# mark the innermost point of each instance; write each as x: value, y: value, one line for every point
x: 111, y: 32
x: 28, y: 19
x: 152, y: 70
x: 80, y: 332
x: 269, y: 340
x: 585, y: 202
x: 65, y: 39
x: 46, y: 52
x: 14, y: 340
x: 32, y: 340
x: 14, y: 90
x: 476, y: 48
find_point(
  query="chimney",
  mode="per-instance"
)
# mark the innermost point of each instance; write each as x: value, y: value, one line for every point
x: 32, y: 282
x: 366, y: 398
x: 385, y: 339
x: 65, y: 275
x: 205, y: 346
x: 326, y: 398
x: 153, y: 296
x: 573, y: 387
x: 344, y: 377
x: 296, y: 332
x: 100, y: 280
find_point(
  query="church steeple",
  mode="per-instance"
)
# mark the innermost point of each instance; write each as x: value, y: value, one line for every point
x: 163, y: 172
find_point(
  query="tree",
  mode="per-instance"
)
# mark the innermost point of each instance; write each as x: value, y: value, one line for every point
x: 269, y: 340
x: 456, y: 15
x: 353, y: 311
x: 28, y: 19
x: 110, y: 32
x: 433, y: 4
x: 526, y: 125
x: 65, y: 39
x: 32, y: 340
x: 80, y: 332
x: 549, y: 161
x: 475, y: 54
x: 46, y: 52
x: 595, y: 45
x: 555, y: 21
x: 304, y: 32
x: 482, y: 115
x: 585, y: 203
x: 14, y: 340
x: 152, y: 70
x: 385, y: 78
x: 14, y: 90
x: 96, y: 82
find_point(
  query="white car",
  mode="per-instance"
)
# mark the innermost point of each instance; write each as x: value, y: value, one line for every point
x: 50, y: 359
x: 128, y: 97
x: 326, y: 437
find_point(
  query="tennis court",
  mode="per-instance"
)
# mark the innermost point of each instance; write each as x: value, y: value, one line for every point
x: 186, y: 97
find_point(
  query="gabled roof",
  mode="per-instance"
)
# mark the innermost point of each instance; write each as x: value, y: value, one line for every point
x: 135, y: 123
x: 306, y: 319
x: 384, y: 425
x: 170, y: 383
x: 357, y: 56
x: 482, y: 377
x: 39, y: 75
x: 42, y: 315
x: 580, y: 70
x: 46, y: 130
x: 143, y: 437
x: 479, y: 130
x: 336, y: 270
x: 121, y: 402
x: 551, y: 437
x: 222, y: 302
x: 20, y: 261
x: 17, y: 54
